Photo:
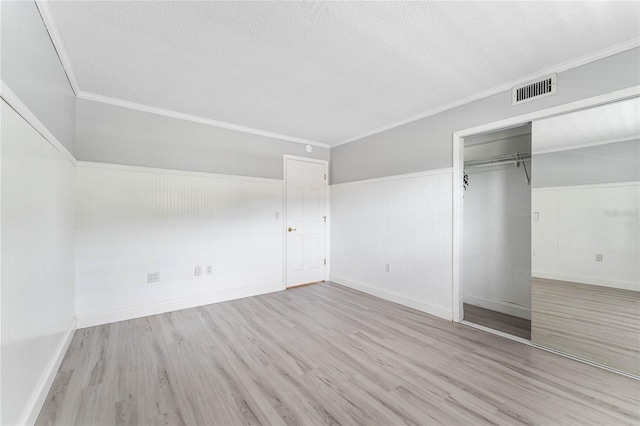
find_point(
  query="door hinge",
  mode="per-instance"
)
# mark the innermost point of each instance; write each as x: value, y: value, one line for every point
x: 324, y: 218
x: 325, y: 261
x: 325, y: 176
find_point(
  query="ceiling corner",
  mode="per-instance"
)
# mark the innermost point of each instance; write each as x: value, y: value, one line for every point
x: 58, y: 44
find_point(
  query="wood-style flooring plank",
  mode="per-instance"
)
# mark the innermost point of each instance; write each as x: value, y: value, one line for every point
x: 601, y: 324
x: 322, y: 354
x: 509, y: 324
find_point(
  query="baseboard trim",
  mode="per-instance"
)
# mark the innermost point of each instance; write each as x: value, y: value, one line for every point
x: 505, y: 308
x: 39, y: 394
x: 396, y: 298
x: 100, y: 318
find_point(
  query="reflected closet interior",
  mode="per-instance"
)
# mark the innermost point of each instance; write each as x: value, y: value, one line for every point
x: 551, y: 233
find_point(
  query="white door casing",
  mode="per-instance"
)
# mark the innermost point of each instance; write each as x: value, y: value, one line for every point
x: 305, y: 219
x: 458, y: 163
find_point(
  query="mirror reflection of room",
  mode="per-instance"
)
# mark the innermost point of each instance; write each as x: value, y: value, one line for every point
x: 497, y: 232
x: 586, y: 234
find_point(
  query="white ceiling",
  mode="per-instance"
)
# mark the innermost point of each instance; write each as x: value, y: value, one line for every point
x: 605, y: 124
x: 499, y: 135
x: 324, y: 71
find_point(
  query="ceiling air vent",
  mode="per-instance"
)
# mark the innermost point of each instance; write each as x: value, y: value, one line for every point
x: 534, y: 90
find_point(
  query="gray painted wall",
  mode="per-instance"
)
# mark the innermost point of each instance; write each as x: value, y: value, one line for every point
x: 32, y: 70
x: 426, y: 144
x: 112, y: 134
x: 614, y: 162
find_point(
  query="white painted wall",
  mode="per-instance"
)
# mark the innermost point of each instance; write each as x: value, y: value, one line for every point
x: 37, y: 258
x: 577, y: 222
x: 405, y: 222
x: 133, y: 220
x: 497, y: 239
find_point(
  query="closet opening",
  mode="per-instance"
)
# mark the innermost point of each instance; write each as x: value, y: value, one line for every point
x: 496, y: 223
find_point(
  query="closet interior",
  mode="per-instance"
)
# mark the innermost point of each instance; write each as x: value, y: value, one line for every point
x: 497, y: 230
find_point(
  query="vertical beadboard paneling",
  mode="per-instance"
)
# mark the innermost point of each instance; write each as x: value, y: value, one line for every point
x: 132, y: 220
x: 404, y: 221
x: 577, y: 222
x: 37, y: 248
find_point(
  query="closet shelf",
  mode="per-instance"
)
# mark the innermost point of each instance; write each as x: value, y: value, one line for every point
x: 498, y: 159
x: 516, y: 159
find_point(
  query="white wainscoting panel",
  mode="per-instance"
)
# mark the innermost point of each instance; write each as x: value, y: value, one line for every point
x: 37, y: 250
x: 404, y: 222
x: 576, y: 223
x: 135, y: 220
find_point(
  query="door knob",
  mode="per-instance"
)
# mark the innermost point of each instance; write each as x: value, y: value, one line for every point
x: 291, y: 229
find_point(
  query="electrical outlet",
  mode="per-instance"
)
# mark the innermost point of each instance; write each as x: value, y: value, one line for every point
x: 387, y: 267
x: 153, y: 277
x: 198, y: 271
x: 598, y: 258
x: 209, y: 269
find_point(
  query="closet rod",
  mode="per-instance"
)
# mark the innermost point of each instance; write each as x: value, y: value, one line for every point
x: 499, y: 159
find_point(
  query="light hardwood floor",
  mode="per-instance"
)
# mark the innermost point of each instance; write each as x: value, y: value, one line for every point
x: 498, y: 321
x: 597, y: 323
x: 323, y: 354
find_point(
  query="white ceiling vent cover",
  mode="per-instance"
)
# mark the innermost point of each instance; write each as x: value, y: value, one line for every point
x: 534, y: 90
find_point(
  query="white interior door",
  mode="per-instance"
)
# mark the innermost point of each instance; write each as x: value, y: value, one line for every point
x: 305, y: 187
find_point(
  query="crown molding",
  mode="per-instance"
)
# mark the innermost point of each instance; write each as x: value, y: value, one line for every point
x: 23, y: 110
x: 56, y: 38
x: 574, y: 63
x: 58, y: 45
x: 194, y: 118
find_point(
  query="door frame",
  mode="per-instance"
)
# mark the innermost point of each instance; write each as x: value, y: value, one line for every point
x: 286, y: 157
x: 458, y: 165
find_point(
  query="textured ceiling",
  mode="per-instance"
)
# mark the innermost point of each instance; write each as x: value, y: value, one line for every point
x: 619, y: 121
x: 324, y: 71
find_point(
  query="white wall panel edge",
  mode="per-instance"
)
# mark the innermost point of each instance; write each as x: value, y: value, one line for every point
x: 155, y: 170
x: 443, y: 171
x: 585, y: 186
x: 507, y: 308
x: 14, y: 102
x: 99, y: 318
x: 428, y: 308
x: 621, y: 285
x: 202, y: 120
x: 36, y: 401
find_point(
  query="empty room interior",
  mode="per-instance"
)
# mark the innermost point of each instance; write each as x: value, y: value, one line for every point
x: 305, y: 213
